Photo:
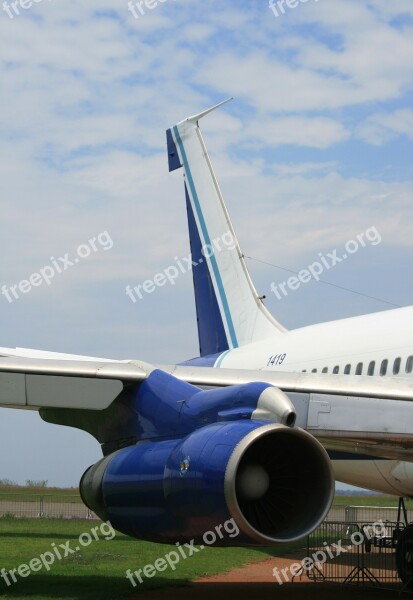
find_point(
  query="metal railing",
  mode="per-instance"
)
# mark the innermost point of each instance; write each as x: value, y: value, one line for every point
x: 351, y: 552
x: 48, y: 506
x: 366, y: 514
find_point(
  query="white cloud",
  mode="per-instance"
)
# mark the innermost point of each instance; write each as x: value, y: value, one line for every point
x: 381, y: 127
x: 316, y: 132
x: 303, y: 168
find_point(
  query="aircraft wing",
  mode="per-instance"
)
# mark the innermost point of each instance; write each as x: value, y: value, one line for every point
x: 34, y: 383
x: 363, y: 415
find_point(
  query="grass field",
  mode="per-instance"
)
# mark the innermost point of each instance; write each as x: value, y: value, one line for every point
x: 98, y: 572
x: 370, y: 500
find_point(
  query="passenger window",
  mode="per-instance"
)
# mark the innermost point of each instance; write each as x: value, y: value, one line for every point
x: 396, y: 366
x: 336, y: 370
x: 409, y: 364
x: 314, y: 371
x: 383, y: 367
x: 371, y: 368
x: 347, y: 370
x: 359, y: 369
x: 325, y: 369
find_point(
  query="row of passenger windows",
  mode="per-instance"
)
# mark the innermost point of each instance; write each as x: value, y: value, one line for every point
x: 372, y: 368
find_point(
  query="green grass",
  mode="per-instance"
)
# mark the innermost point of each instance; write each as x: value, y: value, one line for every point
x: 61, y: 494
x: 98, y: 572
x: 371, y: 500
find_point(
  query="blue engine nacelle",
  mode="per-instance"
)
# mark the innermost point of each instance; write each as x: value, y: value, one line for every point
x: 275, y: 482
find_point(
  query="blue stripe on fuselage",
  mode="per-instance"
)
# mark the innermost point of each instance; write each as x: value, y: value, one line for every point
x: 202, y: 361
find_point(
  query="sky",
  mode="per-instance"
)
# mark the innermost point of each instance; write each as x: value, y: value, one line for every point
x: 315, y: 149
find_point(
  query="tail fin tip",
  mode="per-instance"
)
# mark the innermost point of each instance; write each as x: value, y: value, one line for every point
x: 174, y: 161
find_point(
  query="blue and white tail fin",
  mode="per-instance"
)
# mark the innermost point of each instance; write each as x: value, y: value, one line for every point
x: 230, y: 312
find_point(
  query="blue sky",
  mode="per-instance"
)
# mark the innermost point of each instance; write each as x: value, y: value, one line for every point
x: 316, y: 148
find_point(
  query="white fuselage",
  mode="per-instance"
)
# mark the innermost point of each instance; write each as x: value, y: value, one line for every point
x: 378, y: 344
x: 333, y: 345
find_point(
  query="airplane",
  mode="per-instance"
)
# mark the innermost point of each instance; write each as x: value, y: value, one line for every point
x: 258, y: 426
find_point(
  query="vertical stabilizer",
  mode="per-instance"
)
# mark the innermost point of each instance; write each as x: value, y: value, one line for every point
x: 230, y: 312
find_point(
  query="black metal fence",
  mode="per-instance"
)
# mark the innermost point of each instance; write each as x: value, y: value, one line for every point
x: 351, y: 552
x: 348, y: 552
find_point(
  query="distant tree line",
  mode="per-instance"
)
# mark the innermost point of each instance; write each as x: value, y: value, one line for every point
x: 41, y: 483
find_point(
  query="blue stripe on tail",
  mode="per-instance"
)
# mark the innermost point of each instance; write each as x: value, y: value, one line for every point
x: 205, y: 233
x: 211, y: 332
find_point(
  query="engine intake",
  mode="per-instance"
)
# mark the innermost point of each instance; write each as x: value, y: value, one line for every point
x: 279, y: 484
